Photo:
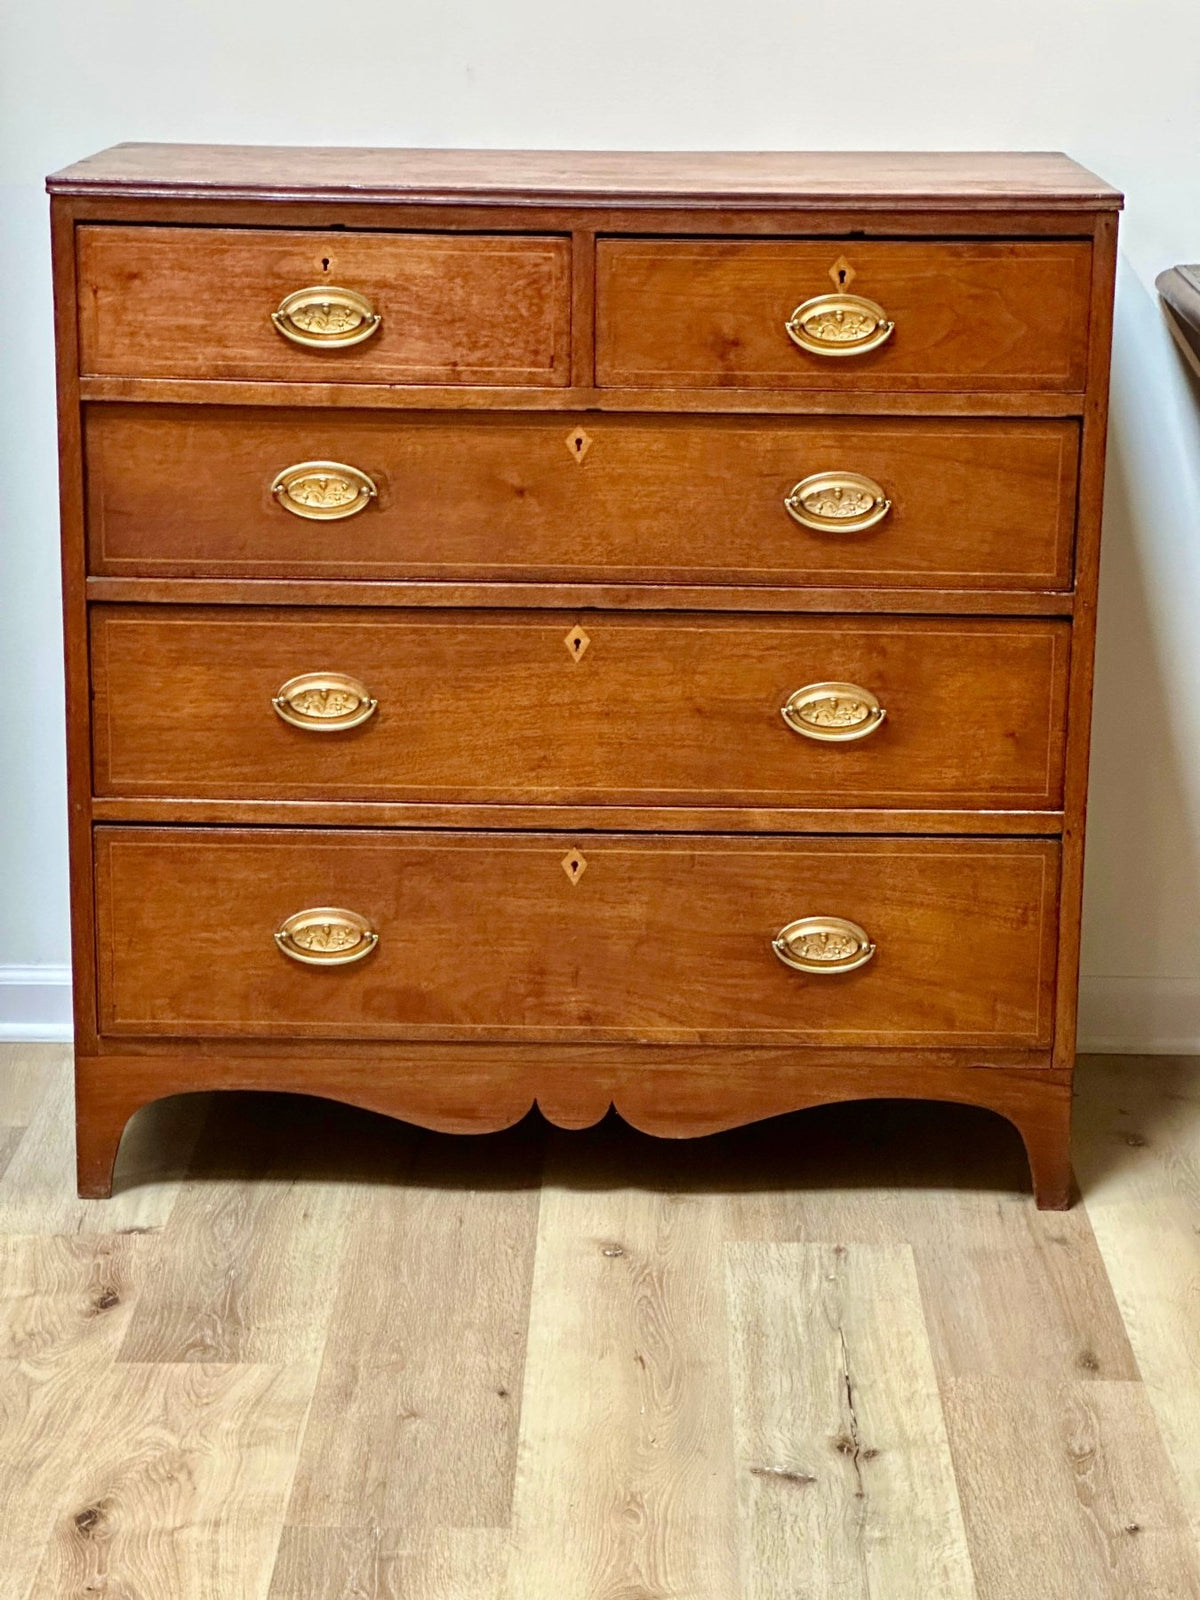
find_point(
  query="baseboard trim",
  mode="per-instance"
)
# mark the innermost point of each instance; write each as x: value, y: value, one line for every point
x: 1139, y: 1016
x: 1117, y: 1016
x: 35, y: 1004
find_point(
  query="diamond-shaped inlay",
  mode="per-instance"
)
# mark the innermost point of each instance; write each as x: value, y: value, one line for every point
x: 577, y: 642
x: 842, y: 273
x: 574, y: 865
x: 578, y: 443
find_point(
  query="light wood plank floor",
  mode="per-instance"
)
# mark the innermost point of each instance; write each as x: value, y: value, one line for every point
x: 308, y: 1354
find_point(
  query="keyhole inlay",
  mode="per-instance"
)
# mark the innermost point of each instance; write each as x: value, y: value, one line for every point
x: 577, y: 642
x: 574, y: 865
x: 842, y: 273
x: 578, y: 443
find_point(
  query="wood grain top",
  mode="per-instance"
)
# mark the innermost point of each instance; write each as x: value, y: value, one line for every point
x: 988, y: 180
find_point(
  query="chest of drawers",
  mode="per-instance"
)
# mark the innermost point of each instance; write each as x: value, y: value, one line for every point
x: 580, y: 630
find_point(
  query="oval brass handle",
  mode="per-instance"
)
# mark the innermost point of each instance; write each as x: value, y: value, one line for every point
x: 839, y: 325
x: 326, y: 491
x: 324, y: 702
x: 837, y: 502
x: 326, y: 936
x: 823, y: 945
x: 835, y: 713
x: 325, y: 318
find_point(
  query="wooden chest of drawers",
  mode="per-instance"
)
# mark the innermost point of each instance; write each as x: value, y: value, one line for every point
x: 579, y: 629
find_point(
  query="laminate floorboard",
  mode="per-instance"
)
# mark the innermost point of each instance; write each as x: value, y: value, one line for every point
x: 309, y: 1354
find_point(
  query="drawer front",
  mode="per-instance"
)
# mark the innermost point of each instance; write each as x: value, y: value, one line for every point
x: 976, y: 317
x: 593, y: 707
x: 187, y: 491
x: 198, y: 303
x: 541, y: 937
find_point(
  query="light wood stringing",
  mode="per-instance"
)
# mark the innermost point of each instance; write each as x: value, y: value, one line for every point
x: 197, y: 302
x: 530, y: 937
x: 572, y: 708
x: 184, y: 491
x: 978, y: 316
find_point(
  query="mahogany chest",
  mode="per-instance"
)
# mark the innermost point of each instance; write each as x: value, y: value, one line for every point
x: 579, y: 629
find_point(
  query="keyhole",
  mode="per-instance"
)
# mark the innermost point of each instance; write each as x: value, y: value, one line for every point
x: 578, y: 442
x: 577, y: 642
x: 574, y: 865
x: 325, y: 264
x: 841, y: 273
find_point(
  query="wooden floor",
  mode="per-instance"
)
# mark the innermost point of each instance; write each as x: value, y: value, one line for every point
x: 307, y: 1354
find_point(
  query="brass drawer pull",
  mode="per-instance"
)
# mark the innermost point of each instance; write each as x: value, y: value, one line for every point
x: 823, y: 945
x: 839, y: 325
x: 325, y: 318
x: 837, y: 502
x: 324, y: 702
x: 835, y: 713
x: 326, y: 936
x: 326, y: 491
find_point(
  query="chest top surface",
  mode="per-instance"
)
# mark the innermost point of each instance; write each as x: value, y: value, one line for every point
x: 953, y: 180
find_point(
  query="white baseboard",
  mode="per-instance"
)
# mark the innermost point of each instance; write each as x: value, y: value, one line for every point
x: 35, y: 1003
x: 1140, y: 1016
x: 1117, y: 1016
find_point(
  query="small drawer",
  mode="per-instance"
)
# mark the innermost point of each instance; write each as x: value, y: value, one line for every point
x: 214, y: 491
x: 374, y: 935
x: 842, y: 314
x: 293, y: 306
x: 598, y: 707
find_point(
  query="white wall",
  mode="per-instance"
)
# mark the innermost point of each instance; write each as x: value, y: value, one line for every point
x: 1114, y: 82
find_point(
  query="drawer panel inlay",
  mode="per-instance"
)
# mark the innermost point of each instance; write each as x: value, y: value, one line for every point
x: 521, y: 706
x: 752, y: 313
x: 202, y: 303
x: 187, y: 491
x: 483, y: 936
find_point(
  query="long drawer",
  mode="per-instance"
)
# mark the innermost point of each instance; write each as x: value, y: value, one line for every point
x: 544, y: 938
x: 619, y: 708
x: 312, y: 306
x: 973, y: 316
x: 209, y: 491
